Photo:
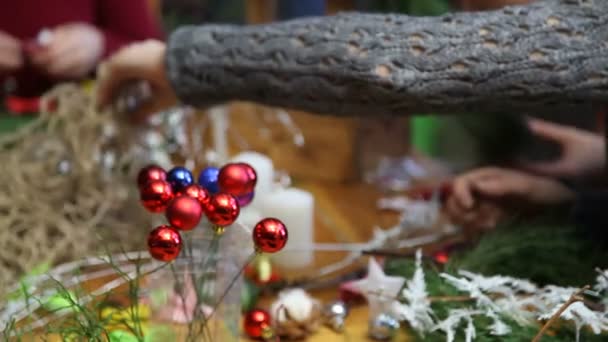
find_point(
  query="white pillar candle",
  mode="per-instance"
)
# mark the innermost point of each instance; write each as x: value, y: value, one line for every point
x: 295, y: 208
x: 219, y: 128
x: 249, y: 217
x: 265, y: 171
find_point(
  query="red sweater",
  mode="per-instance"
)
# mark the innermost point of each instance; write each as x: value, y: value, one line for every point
x: 120, y: 21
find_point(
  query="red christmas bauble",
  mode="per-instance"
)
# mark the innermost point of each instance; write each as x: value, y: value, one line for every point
x: 270, y: 235
x: 257, y: 324
x: 199, y: 193
x: 156, y: 195
x: 184, y: 212
x: 150, y: 173
x: 223, y: 209
x: 237, y: 179
x: 164, y: 243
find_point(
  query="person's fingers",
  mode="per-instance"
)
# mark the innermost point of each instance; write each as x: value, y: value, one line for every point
x: 40, y: 56
x: 67, y: 63
x: 61, y: 47
x: 65, y: 68
x: 470, y: 221
x: 549, y: 130
x: 452, y: 209
x: 9, y: 42
x: 148, y: 107
x: 463, y: 187
x: 549, y: 168
x: 460, y: 216
x: 490, y: 216
x: 462, y: 194
x: 10, y: 52
x: 10, y: 61
x: 119, y: 69
x: 501, y: 187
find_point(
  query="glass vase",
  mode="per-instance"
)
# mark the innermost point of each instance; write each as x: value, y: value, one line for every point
x: 198, y: 296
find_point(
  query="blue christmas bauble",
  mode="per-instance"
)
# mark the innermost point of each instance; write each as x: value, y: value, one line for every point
x: 208, y: 179
x: 179, y: 178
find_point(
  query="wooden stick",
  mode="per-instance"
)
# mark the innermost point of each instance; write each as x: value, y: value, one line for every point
x: 576, y: 297
x: 450, y: 299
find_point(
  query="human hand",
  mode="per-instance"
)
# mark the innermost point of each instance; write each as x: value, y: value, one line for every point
x: 11, y: 57
x: 582, y: 152
x: 138, y: 62
x: 73, y: 51
x: 480, y: 199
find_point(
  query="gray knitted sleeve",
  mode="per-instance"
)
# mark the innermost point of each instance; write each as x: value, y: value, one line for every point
x: 548, y: 55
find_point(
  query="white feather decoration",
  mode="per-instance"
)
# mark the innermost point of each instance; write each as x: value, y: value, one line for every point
x: 498, y: 327
x: 451, y: 323
x: 417, y: 307
x: 601, y: 281
x: 470, y: 332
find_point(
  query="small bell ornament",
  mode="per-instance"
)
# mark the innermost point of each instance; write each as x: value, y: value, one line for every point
x: 334, y: 315
x: 383, y: 327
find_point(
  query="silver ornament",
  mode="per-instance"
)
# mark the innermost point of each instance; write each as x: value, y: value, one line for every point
x: 334, y: 315
x: 383, y: 327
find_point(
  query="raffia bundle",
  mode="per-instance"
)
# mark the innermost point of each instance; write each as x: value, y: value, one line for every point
x: 66, y: 186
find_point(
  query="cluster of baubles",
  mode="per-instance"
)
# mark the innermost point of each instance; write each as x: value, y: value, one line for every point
x: 219, y: 195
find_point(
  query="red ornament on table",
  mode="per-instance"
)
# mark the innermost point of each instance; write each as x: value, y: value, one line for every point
x: 150, y: 173
x: 237, y: 179
x: 441, y: 257
x: 164, y: 243
x: 199, y: 193
x: 156, y: 195
x: 184, y: 212
x: 223, y: 209
x: 257, y: 324
x: 270, y: 235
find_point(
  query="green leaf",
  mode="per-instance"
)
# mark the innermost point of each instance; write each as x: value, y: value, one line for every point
x: 249, y: 295
x: 122, y: 336
x: 60, y: 302
x: 40, y: 269
x: 160, y: 333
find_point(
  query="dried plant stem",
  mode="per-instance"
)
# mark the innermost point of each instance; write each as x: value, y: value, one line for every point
x: 67, y: 176
x: 451, y: 299
x: 576, y: 297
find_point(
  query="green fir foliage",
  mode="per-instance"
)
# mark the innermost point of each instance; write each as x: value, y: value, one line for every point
x: 544, y: 253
